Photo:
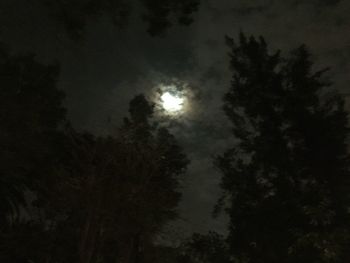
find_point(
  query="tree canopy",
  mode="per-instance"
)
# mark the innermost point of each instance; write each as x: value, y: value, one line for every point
x: 287, y: 178
x: 31, y: 113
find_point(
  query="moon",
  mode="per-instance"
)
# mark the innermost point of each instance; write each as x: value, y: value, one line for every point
x: 172, y: 103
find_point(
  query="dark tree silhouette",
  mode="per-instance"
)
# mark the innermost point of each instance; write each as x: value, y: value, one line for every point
x: 287, y: 179
x: 112, y: 195
x: 133, y: 188
x: 31, y: 113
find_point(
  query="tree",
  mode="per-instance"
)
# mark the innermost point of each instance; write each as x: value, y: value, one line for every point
x: 108, y: 198
x: 112, y: 195
x: 32, y: 118
x: 31, y: 114
x: 287, y: 179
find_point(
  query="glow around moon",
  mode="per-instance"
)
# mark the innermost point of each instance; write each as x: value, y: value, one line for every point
x: 172, y: 100
x: 172, y: 103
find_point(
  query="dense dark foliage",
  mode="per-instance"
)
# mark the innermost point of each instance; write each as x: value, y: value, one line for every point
x: 31, y: 113
x: 287, y: 179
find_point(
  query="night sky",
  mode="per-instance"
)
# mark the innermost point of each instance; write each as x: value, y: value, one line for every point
x: 101, y: 73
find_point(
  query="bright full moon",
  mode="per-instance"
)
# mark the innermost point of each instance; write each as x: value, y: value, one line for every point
x: 172, y: 103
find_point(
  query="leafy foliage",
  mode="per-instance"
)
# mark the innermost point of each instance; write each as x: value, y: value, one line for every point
x: 287, y: 179
x: 127, y: 187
